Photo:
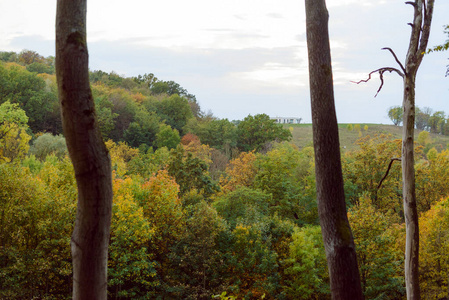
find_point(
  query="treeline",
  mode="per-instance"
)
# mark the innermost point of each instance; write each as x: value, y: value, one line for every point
x: 141, y: 111
x: 425, y: 119
x: 216, y: 209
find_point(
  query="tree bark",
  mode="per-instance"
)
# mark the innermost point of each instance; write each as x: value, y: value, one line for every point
x: 337, y: 235
x: 87, y: 151
x: 422, y: 19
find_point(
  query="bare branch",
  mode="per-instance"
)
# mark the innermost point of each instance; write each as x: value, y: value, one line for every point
x: 411, y: 3
x: 381, y: 72
x: 386, y: 174
x: 396, y: 58
x: 388, y: 171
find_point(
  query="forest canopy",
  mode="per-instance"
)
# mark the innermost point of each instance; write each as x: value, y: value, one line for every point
x: 202, y: 206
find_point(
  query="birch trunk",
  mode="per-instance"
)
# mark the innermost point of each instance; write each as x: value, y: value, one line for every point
x: 87, y: 151
x: 337, y: 235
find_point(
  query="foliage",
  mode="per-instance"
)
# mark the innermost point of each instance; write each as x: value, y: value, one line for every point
x: 32, y: 93
x: 13, y: 137
x: 34, y: 244
x: 287, y: 174
x: 121, y: 154
x: 197, y: 261
x: 148, y: 162
x: 395, y: 114
x: 243, y: 206
x: 162, y: 207
x: 190, y: 173
x: 434, y: 250
x: 431, y: 178
x: 364, y: 168
x: 220, y: 134
x: 130, y: 267
x: 379, y: 261
x: 253, y: 133
x: 240, y: 171
x: 48, y: 144
x: 307, y: 275
x: 167, y: 137
x: 175, y: 111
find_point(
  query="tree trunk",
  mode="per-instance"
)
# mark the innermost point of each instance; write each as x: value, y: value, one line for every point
x: 337, y: 235
x: 87, y: 151
x: 409, y: 195
x: 422, y: 20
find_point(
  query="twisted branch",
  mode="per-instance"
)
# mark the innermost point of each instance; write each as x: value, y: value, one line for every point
x: 395, y: 58
x: 386, y: 174
x: 381, y: 72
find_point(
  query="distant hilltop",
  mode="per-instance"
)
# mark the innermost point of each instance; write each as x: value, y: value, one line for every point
x: 289, y: 120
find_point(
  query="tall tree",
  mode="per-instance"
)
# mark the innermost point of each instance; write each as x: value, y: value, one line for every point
x: 422, y: 19
x: 87, y: 151
x: 336, y: 232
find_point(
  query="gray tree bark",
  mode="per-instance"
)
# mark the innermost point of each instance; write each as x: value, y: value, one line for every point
x: 87, y: 151
x: 337, y: 234
x: 422, y: 19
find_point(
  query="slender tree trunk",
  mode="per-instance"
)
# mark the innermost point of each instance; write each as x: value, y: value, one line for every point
x: 337, y: 235
x: 87, y: 151
x: 408, y: 190
x: 423, y: 11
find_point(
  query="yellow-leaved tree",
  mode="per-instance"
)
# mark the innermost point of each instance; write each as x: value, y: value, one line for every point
x: 13, y: 137
x: 434, y: 251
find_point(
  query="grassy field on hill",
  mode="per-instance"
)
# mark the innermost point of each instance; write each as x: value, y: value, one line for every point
x: 302, y: 134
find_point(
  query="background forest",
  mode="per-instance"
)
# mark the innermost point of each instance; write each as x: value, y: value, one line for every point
x: 205, y: 206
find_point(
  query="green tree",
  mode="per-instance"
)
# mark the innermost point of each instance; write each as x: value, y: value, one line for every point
x: 364, y: 168
x: 422, y: 118
x: 436, y: 122
x: 395, y: 114
x: 379, y: 260
x: 220, y: 134
x: 254, y: 132
x: 243, y: 206
x: 130, y: 267
x: 307, y: 274
x: 143, y: 129
x: 197, y: 263
x: 31, y: 93
x: 287, y: 175
x: 190, y: 173
x: 48, y: 144
x: 175, y: 111
x: 167, y: 137
x: 13, y: 137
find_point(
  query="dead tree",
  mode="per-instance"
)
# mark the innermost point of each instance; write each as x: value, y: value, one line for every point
x: 87, y: 151
x: 420, y: 27
x: 337, y: 234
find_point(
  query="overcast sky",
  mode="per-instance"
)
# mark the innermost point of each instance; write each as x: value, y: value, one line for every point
x: 243, y: 57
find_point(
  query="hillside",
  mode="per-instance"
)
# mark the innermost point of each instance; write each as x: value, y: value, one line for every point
x: 302, y: 135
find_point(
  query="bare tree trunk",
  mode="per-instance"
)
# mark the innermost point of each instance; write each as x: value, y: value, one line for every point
x: 422, y: 19
x: 418, y: 43
x: 337, y: 235
x: 87, y: 151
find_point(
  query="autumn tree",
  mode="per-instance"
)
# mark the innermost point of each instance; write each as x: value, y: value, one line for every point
x: 13, y: 137
x: 254, y: 132
x: 395, y: 114
x: 380, y: 262
x: 337, y: 235
x: 87, y: 151
x: 422, y: 19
